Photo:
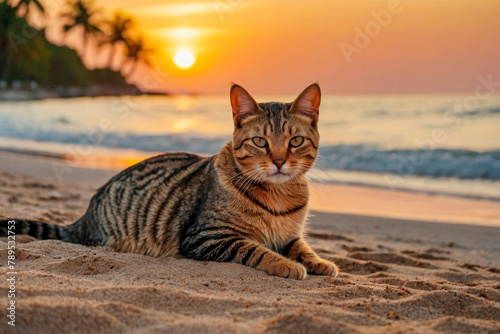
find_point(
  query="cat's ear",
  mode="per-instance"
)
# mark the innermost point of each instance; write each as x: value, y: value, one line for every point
x: 242, y: 103
x: 307, y: 103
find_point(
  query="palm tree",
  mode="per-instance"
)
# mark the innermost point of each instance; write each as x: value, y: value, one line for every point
x: 82, y: 15
x: 25, y: 6
x: 7, y: 18
x: 11, y: 50
x: 120, y: 27
x: 20, y: 58
x: 136, y: 50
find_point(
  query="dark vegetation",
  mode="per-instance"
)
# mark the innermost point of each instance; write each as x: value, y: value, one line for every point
x: 28, y: 59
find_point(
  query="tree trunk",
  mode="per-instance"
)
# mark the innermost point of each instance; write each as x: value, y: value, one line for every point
x: 111, y: 55
x: 6, y: 68
x: 133, y: 68
x: 84, y: 45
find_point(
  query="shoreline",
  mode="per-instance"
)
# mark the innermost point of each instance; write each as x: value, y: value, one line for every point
x: 17, y: 95
x: 332, y: 198
x: 105, y: 158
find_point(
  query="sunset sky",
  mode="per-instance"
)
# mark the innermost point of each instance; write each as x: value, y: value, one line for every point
x: 279, y: 47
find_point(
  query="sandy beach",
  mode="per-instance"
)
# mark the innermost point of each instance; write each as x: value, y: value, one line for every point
x: 410, y: 263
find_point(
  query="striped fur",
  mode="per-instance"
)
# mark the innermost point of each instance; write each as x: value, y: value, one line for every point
x: 247, y: 204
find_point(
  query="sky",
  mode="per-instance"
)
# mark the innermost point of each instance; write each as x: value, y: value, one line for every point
x: 348, y: 46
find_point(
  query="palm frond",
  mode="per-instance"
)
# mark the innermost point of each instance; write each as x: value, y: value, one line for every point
x: 39, y: 5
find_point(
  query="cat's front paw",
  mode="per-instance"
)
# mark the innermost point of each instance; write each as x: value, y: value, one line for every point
x: 322, y: 267
x: 288, y: 270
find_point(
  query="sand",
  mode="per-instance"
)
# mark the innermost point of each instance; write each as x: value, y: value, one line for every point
x: 397, y: 276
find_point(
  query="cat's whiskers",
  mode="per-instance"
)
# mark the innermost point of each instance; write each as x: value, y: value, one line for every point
x: 320, y: 173
x: 251, y: 179
x: 243, y: 176
x: 240, y: 176
x: 301, y: 165
x: 247, y: 178
x: 236, y: 175
x: 248, y: 183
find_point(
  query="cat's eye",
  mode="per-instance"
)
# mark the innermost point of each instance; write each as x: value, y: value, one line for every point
x: 259, y: 141
x: 296, y: 141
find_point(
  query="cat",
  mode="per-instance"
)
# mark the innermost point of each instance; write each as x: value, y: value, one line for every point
x: 247, y: 205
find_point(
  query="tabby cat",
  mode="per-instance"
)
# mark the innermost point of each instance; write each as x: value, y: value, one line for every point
x: 247, y: 204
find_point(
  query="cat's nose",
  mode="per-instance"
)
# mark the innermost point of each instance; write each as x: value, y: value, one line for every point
x: 279, y: 163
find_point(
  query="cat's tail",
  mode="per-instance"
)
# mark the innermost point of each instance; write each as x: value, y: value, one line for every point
x: 84, y: 231
x: 38, y: 229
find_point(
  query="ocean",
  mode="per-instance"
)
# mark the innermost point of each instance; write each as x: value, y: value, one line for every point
x: 436, y: 144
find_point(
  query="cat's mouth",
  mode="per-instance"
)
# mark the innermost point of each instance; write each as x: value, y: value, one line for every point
x: 279, y: 177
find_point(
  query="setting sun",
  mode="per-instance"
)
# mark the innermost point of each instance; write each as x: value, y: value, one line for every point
x: 184, y: 59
